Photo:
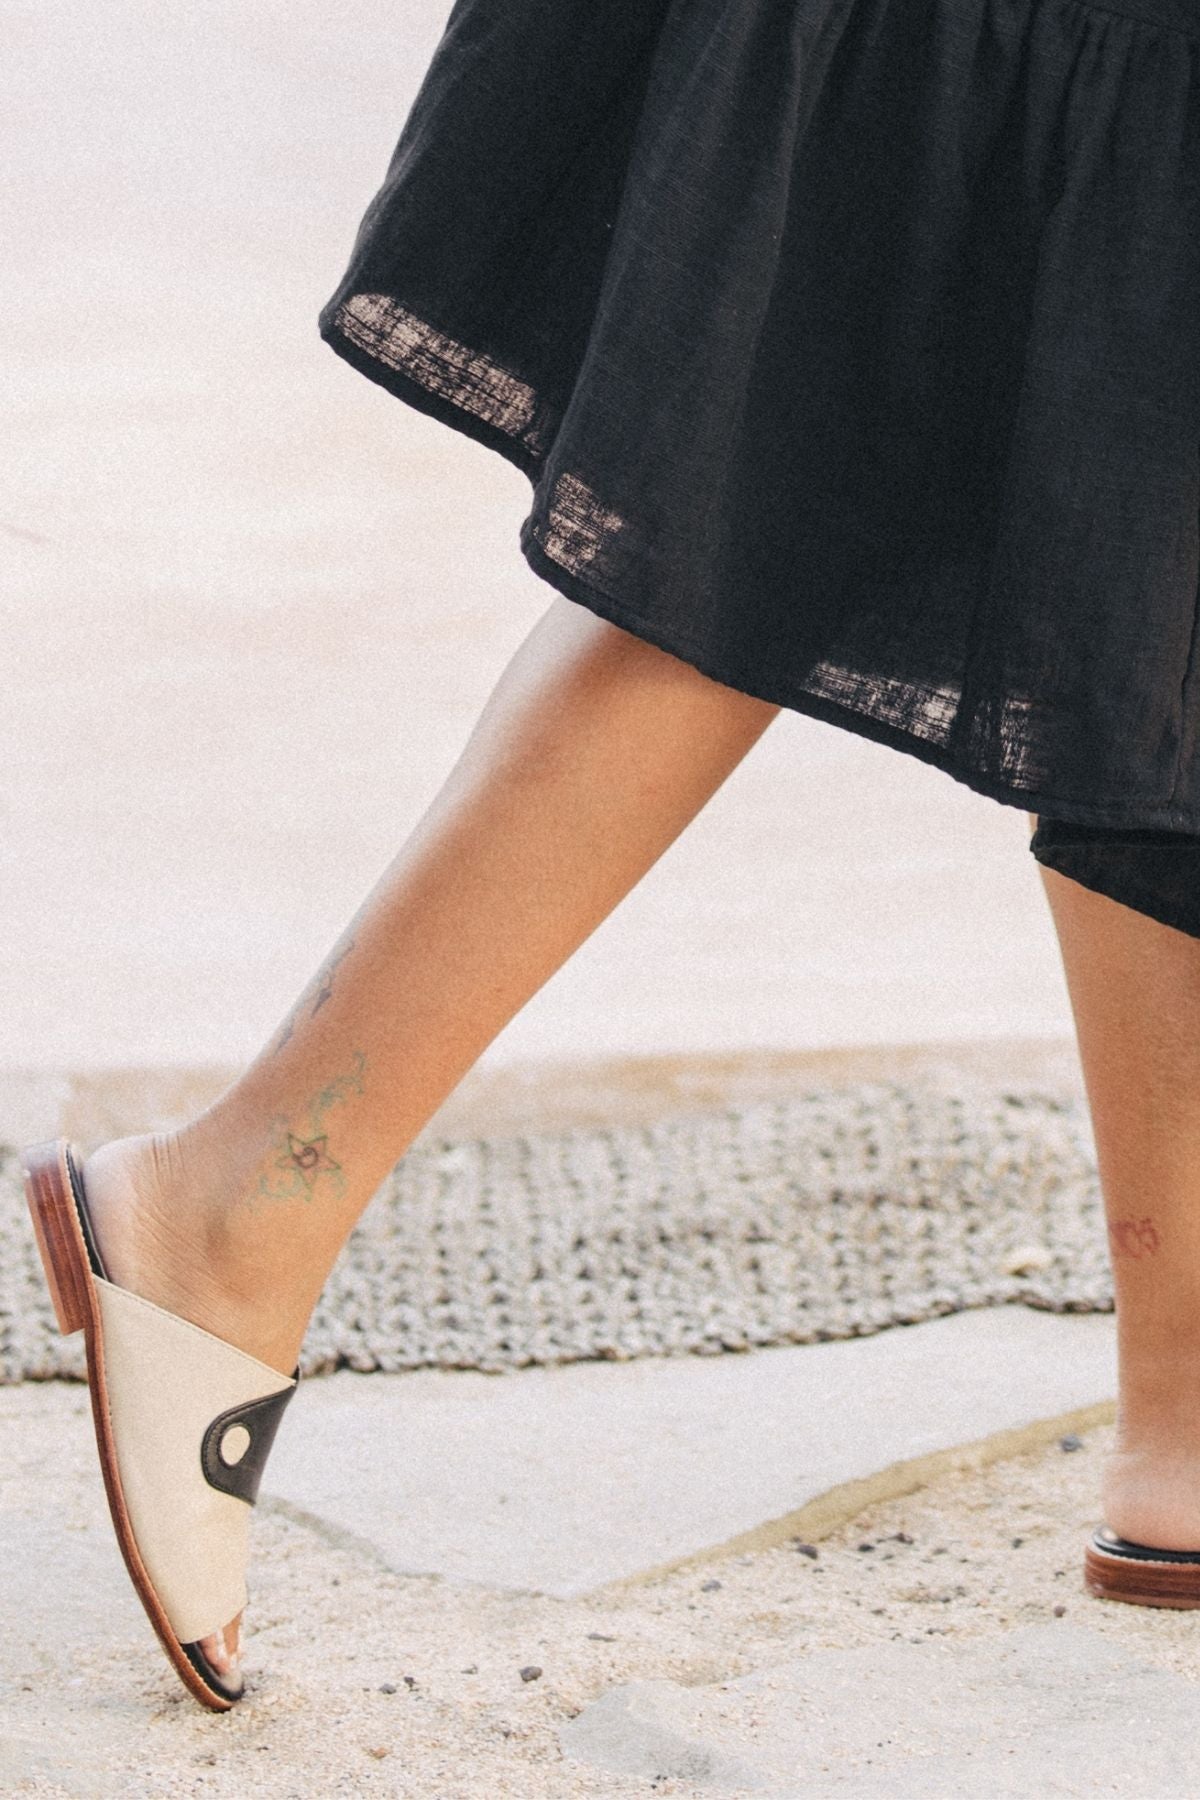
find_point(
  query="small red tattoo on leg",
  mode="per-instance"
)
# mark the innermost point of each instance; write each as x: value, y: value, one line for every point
x: 1133, y: 1237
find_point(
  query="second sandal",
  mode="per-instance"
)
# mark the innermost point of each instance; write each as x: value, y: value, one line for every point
x: 1115, y: 1568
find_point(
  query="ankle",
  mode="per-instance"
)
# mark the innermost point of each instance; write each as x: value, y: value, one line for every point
x: 1159, y: 1398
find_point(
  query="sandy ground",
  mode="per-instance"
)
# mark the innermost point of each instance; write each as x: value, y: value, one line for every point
x: 432, y: 1701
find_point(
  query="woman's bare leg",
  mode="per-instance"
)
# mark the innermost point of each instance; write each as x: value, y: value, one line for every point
x: 594, y: 751
x: 1134, y: 987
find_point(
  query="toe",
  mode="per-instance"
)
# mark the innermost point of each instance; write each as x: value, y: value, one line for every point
x: 218, y: 1659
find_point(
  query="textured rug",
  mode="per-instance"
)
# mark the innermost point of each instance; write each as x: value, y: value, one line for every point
x: 832, y: 1214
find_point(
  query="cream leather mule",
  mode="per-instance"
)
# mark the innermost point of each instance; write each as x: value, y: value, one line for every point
x: 184, y: 1423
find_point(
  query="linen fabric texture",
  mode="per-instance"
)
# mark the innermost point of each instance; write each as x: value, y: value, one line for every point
x: 852, y: 351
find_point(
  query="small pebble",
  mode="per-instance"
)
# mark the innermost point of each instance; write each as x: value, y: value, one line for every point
x: 808, y: 1550
x: 1017, y: 1542
x: 471, y: 1669
x: 602, y: 1637
x: 1027, y: 1259
x: 1059, y: 1611
x: 387, y: 1687
x: 379, y: 1752
x: 410, y: 1681
x: 902, y: 1537
x: 866, y: 1546
x: 1070, y: 1442
x: 708, y: 1587
x: 530, y: 1672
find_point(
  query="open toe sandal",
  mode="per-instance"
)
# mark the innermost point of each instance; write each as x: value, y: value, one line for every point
x: 184, y: 1423
x: 1117, y: 1569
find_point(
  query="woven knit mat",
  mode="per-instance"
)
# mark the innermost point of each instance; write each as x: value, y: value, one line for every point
x: 834, y: 1213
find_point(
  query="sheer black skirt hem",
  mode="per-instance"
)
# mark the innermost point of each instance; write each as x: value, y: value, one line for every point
x: 1068, y: 837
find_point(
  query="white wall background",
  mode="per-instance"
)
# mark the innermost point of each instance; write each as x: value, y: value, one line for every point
x: 251, y: 605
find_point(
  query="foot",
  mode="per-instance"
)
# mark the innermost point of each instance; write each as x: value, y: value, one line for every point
x: 1151, y: 1494
x: 164, y: 1234
x: 161, y: 1239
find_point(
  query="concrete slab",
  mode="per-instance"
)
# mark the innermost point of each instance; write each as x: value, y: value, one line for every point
x: 62, y: 1578
x: 479, y: 1477
x: 411, y: 1687
x: 1046, y: 1710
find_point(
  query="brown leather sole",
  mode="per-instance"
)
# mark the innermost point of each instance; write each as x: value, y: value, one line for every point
x: 68, y: 1268
x: 1116, y: 1569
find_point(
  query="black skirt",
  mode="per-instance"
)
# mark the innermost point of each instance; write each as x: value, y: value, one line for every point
x: 852, y: 351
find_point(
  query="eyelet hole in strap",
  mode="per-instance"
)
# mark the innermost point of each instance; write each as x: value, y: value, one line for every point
x: 235, y: 1441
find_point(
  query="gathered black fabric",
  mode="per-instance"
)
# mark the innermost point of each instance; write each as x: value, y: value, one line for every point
x: 1155, y: 872
x: 852, y: 350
